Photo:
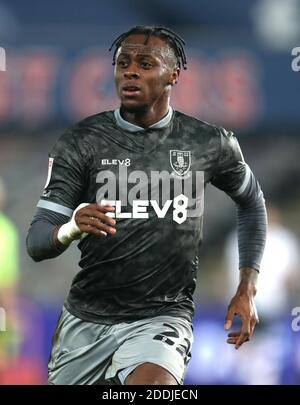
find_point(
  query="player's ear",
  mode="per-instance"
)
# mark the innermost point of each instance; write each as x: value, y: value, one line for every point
x: 174, y: 76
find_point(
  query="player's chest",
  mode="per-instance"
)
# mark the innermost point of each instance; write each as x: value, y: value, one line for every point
x: 158, y: 174
x: 172, y: 158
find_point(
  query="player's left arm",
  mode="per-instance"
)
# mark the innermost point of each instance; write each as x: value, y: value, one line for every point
x: 235, y: 177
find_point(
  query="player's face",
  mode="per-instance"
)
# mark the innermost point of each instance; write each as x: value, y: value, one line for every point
x: 144, y: 73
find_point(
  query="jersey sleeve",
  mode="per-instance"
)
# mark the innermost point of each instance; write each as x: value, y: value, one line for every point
x: 231, y: 174
x: 234, y: 176
x: 66, y: 176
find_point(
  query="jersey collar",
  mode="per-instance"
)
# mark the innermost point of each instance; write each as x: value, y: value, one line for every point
x: 128, y: 126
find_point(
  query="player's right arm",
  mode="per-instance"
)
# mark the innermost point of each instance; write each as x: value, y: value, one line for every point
x: 62, y: 216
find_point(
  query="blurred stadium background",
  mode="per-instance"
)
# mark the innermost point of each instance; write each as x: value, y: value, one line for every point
x: 58, y: 70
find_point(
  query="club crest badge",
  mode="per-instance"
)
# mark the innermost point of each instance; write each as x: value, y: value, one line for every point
x: 180, y: 161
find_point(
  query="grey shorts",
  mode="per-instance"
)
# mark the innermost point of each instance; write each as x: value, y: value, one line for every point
x: 86, y: 353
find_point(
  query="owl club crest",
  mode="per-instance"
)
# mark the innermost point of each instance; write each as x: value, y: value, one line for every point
x: 180, y: 161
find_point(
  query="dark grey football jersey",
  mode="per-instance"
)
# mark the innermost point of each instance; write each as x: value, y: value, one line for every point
x: 156, y: 177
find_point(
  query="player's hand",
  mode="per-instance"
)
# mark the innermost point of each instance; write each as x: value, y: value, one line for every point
x: 92, y: 219
x: 243, y: 305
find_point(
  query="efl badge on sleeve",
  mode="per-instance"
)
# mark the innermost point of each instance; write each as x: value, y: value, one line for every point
x: 50, y: 166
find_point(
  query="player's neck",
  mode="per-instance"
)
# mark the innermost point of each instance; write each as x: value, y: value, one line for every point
x: 145, y: 118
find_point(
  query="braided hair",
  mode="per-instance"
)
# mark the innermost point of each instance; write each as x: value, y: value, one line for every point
x: 170, y: 37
